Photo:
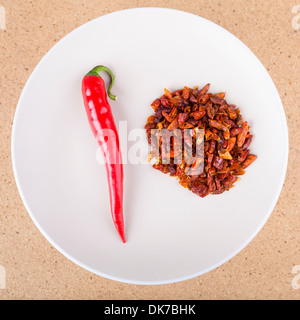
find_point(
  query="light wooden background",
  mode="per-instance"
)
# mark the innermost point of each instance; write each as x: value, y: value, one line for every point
x: 263, y: 270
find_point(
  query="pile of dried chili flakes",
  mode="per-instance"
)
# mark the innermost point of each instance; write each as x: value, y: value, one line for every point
x: 226, y: 138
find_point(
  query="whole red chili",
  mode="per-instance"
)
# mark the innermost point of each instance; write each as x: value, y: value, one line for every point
x: 104, y: 129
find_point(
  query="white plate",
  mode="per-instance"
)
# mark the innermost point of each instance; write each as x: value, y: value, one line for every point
x: 171, y: 233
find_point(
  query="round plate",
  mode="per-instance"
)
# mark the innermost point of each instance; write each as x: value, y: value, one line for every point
x: 172, y: 234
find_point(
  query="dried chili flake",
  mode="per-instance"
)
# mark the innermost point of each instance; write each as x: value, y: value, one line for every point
x: 226, y: 139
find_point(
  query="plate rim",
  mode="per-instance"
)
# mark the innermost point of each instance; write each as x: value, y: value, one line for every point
x: 196, y: 274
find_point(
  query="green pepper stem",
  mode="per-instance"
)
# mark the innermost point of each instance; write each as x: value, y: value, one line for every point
x: 97, y: 70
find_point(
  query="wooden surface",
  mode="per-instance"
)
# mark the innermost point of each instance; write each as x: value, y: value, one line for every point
x: 33, y: 269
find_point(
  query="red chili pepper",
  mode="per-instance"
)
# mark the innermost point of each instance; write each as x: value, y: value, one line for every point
x: 104, y: 129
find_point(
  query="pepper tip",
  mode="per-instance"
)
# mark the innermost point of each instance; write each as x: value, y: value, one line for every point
x: 120, y: 230
x: 123, y: 237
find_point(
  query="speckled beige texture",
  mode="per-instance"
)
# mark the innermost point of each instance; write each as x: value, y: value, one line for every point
x: 35, y: 270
